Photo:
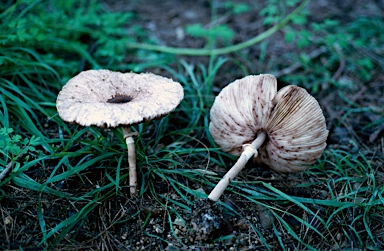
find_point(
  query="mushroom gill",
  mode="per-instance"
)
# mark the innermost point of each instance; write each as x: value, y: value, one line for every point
x: 284, y: 130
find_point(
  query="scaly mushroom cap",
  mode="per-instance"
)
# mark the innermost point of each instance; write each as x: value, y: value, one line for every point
x: 111, y: 99
x: 292, y: 119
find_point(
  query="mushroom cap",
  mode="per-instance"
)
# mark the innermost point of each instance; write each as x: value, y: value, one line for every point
x: 292, y: 119
x: 111, y: 99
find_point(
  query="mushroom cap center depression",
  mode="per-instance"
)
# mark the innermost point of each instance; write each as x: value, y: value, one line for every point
x: 112, y: 99
x: 119, y: 99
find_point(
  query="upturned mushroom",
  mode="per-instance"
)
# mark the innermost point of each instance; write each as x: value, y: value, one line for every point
x: 284, y: 130
x: 110, y: 99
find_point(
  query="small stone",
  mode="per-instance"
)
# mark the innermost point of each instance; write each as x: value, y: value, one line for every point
x: 172, y: 248
x: 179, y: 221
x: 242, y: 224
x: 323, y: 194
x: 265, y: 216
x: 8, y: 220
x: 179, y: 33
x: 356, y: 186
x: 158, y: 229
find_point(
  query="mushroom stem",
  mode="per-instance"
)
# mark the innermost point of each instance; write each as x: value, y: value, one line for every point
x: 249, y: 151
x: 131, y: 159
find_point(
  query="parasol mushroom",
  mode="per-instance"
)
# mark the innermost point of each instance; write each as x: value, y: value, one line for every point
x: 110, y: 99
x: 284, y: 130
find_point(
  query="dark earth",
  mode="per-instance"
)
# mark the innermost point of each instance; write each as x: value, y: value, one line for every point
x: 143, y: 223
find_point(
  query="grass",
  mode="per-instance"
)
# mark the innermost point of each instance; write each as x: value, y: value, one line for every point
x: 68, y: 188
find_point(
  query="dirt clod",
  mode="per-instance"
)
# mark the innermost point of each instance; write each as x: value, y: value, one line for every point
x: 207, y: 219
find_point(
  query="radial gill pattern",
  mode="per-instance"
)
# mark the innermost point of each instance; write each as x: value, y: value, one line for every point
x: 292, y: 119
x: 296, y: 130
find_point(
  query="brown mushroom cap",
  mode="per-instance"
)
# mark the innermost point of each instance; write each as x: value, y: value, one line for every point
x: 292, y: 119
x: 111, y: 99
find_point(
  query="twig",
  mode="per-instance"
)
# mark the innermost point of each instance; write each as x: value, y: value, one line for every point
x: 10, y: 166
x: 341, y: 68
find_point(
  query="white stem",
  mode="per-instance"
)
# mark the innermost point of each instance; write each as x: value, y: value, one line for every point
x: 249, y: 151
x: 131, y: 159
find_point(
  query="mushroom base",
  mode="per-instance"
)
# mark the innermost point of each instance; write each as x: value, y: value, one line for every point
x: 250, y: 150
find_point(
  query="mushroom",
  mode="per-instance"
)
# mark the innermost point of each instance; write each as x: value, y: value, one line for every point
x: 110, y: 99
x: 284, y: 130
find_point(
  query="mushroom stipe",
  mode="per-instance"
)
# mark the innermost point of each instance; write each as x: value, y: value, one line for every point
x: 250, y: 150
x: 289, y: 124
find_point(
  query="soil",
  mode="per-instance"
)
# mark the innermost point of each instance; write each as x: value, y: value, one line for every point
x: 147, y: 223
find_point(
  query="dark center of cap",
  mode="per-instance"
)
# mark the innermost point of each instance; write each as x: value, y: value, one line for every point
x: 119, y: 99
